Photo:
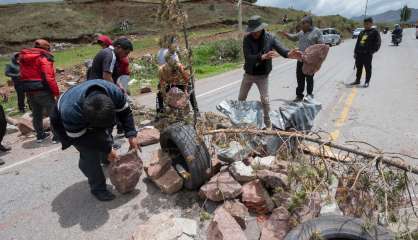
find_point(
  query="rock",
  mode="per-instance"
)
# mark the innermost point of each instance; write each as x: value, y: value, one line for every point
x: 145, y: 90
x: 222, y: 186
x: 263, y: 163
x: 170, y: 182
x: 159, y: 165
x: 276, y: 226
x: 256, y: 197
x: 241, y: 172
x: 125, y: 173
x: 273, y: 180
x: 224, y: 227
x: 11, y: 129
x: 216, y: 166
x: 25, y: 126
x: 253, y: 230
x: 165, y: 226
x: 235, y: 152
x: 148, y: 136
x: 238, y: 211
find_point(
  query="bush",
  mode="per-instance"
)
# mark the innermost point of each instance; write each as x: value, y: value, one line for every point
x: 228, y: 50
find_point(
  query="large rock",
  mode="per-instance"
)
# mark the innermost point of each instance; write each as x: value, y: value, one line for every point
x: 241, y: 172
x: 235, y: 152
x: 125, y: 173
x: 170, y: 182
x: 221, y: 187
x: 238, y: 211
x: 159, y: 165
x: 273, y: 180
x: 263, y: 163
x: 148, y: 136
x: 256, y: 197
x: 25, y: 126
x: 165, y: 226
x: 276, y: 226
x: 224, y: 227
x: 216, y: 166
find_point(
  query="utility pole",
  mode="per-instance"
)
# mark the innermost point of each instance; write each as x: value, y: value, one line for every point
x: 240, y: 16
x: 365, y: 10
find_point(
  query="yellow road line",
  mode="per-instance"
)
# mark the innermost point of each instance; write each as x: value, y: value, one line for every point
x: 344, y: 114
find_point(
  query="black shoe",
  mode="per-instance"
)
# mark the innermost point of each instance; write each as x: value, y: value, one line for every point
x: 354, y: 83
x: 42, y: 138
x: 298, y: 99
x: 5, y: 148
x: 2, y: 162
x: 366, y: 85
x: 103, y: 195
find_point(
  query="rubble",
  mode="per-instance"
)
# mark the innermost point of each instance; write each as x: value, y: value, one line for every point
x: 170, y: 182
x: 166, y: 226
x: 148, y: 136
x: 273, y: 180
x: 241, y: 172
x: 159, y: 164
x: 238, y: 211
x: 263, y: 162
x: 224, y: 227
x: 256, y: 197
x: 221, y: 187
x: 276, y: 226
x: 125, y: 172
x: 233, y: 153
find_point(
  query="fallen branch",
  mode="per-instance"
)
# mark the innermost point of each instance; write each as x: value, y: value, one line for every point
x: 391, y: 162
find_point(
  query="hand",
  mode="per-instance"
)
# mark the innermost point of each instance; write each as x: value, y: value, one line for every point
x: 268, y: 56
x: 283, y: 33
x: 112, y: 156
x: 134, y: 144
x: 295, y: 54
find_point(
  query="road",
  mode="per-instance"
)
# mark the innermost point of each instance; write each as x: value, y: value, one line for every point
x: 45, y: 196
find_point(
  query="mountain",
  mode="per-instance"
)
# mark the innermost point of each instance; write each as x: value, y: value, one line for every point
x: 392, y: 16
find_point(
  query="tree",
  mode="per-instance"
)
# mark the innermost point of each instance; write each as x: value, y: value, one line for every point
x: 405, y: 14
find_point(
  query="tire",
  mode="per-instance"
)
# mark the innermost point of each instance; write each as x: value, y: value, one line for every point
x: 337, y: 227
x: 181, y: 142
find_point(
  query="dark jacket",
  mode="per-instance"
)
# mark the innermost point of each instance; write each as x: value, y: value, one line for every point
x: 13, y: 71
x: 254, y: 49
x: 70, y: 125
x: 368, y: 42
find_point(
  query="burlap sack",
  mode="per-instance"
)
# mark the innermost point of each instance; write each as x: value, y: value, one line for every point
x: 125, y: 173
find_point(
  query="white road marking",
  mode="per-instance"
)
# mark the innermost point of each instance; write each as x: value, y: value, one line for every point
x: 3, y: 169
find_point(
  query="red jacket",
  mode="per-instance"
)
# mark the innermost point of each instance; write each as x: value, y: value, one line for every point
x: 37, y: 66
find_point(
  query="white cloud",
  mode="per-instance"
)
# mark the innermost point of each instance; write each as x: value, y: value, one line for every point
x: 343, y: 7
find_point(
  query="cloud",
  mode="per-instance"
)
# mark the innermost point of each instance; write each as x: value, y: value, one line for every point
x: 347, y: 8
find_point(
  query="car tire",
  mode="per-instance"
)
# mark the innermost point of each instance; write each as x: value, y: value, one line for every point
x: 181, y: 142
x: 338, y: 227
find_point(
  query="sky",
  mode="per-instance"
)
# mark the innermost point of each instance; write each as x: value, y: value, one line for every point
x: 347, y: 8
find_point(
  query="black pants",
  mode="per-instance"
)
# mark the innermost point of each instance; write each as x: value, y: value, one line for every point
x: 90, y: 165
x: 40, y: 102
x: 3, y: 124
x: 301, y: 77
x: 160, y: 98
x: 20, y: 97
x: 366, y: 62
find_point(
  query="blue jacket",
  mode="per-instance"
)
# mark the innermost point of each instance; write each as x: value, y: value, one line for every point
x: 71, y: 119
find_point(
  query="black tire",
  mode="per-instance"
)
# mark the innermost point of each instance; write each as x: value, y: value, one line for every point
x: 338, y: 227
x: 181, y: 142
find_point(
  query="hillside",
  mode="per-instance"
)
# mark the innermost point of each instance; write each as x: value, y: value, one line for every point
x: 392, y: 16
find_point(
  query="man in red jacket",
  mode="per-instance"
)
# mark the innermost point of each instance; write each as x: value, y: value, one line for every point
x: 37, y: 73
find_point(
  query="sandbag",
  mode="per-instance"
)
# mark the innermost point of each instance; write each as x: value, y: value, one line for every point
x: 125, y: 172
x: 148, y: 136
x: 313, y: 57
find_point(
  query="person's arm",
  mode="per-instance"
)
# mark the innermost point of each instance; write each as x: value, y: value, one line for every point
x: 378, y: 42
x: 357, y: 43
x: 48, y: 74
x: 320, y: 37
x: 9, y: 72
x: 184, y: 74
x: 291, y: 36
x: 108, y: 66
x: 124, y: 113
x: 283, y: 51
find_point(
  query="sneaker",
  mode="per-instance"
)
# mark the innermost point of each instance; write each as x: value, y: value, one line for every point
x: 104, y: 195
x: 366, y: 85
x: 354, y: 83
x: 5, y: 148
x: 298, y: 99
x: 310, y: 96
x: 55, y: 140
x: 42, y: 139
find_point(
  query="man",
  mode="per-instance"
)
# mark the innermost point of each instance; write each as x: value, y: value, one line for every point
x: 368, y: 43
x: 173, y: 74
x: 84, y: 117
x: 259, y: 46
x: 397, y: 31
x: 37, y: 75
x: 105, y: 64
x: 308, y: 36
x: 4, y: 93
x: 13, y: 71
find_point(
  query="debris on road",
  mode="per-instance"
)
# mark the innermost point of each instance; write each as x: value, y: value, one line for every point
x: 221, y: 187
x: 125, y: 172
x: 224, y: 227
x: 238, y: 211
x: 256, y: 198
x: 148, y: 136
x: 241, y: 172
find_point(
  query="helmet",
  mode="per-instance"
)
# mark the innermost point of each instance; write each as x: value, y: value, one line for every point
x: 43, y: 44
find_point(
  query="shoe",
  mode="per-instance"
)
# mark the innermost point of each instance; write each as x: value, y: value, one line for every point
x: 55, y: 140
x: 42, y: 139
x: 104, y: 195
x: 298, y: 99
x: 354, y: 83
x: 5, y: 148
x: 116, y: 146
x: 310, y: 96
x: 366, y: 85
x: 2, y: 162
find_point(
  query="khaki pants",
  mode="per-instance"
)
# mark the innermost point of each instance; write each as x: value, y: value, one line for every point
x: 263, y: 87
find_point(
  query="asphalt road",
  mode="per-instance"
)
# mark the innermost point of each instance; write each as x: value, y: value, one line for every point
x: 45, y: 196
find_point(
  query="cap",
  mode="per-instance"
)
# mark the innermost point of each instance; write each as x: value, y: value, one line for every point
x: 124, y: 43
x: 104, y: 39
